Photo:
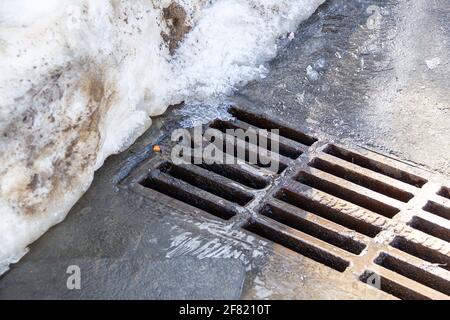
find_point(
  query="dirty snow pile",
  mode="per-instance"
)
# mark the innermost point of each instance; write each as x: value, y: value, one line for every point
x: 81, y: 79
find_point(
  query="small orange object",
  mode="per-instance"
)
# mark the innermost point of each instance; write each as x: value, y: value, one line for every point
x: 156, y: 148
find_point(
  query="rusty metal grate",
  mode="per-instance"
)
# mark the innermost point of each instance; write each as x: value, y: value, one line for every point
x: 444, y: 192
x: 219, y: 189
x: 345, y: 207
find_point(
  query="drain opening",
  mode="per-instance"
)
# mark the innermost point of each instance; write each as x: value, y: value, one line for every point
x: 298, y: 246
x: 296, y: 222
x: 437, y: 209
x: 235, y: 173
x: 328, y: 213
x: 206, y: 183
x: 346, y: 194
x: 414, y: 273
x: 264, y: 159
x: 228, y: 149
x: 284, y: 149
x: 391, y: 287
x: 249, y: 153
x: 444, y: 192
x: 361, y: 180
x: 263, y: 122
x: 421, y: 252
x: 375, y: 166
x: 185, y: 194
x: 430, y: 228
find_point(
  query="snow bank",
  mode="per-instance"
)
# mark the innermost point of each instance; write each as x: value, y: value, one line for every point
x: 80, y: 80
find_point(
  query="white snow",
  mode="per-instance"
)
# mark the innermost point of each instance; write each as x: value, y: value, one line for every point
x: 80, y: 80
x: 433, y: 63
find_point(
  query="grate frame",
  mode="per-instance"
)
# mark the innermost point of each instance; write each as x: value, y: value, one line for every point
x: 337, y: 203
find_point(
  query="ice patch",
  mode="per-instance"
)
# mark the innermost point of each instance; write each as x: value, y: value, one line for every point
x: 80, y: 80
x: 197, y: 114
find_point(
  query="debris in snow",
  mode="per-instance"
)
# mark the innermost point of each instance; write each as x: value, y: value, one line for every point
x: 177, y: 24
x: 312, y: 74
x: 291, y: 36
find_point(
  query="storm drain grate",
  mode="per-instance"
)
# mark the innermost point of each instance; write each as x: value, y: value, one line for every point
x: 422, y: 252
x: 391, y: 287
x: 298, y: 242
x: 413, y: 272
x: 347, y: 208
x: 199, y: 188
x: 430, y: 228
x: 375, y: 165
x: 224, y: 190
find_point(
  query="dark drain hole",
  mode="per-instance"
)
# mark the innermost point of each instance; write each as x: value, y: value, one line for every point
x: 391, y: 287
x: 437, y: 209
x: 313, y: 229
x: 414, y: 273
x: 361, y: 180
x: 256, y: 157
x: 262, y: 161
x: 182, y: 195
x: 375, y: 166
x: 298, y: 246
x: 430, y: 228
x: 284, y: 150
x: 421, y: 252
x: 263, y: 122
x: 444, y: 192
x: 347, y: 195
x: 236, y: 174
x: 223, y: 191
x: 233, y: 172
x: 244, y: 151
x: 328, y: 213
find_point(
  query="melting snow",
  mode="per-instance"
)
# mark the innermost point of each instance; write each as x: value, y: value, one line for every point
x: 80, y: 80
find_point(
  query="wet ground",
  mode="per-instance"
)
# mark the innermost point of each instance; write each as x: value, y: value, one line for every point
x: 379, y: 75
x: 373, y: 72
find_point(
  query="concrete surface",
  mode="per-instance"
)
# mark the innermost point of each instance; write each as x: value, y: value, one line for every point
x: 382, y: 81
x: 370, y: 84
